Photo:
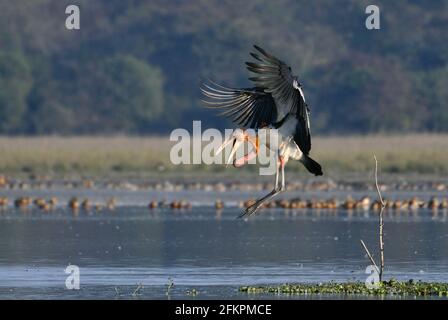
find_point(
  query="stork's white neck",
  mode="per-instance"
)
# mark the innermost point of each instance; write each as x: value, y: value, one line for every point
x: 298, y: 87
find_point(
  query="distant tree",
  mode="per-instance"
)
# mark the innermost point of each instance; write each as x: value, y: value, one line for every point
x: 15, y: 84
x: 436, y: 85
x: 135, y: 62
x: 127, y: 93
x: 367, y: 94
x: 113, y: 94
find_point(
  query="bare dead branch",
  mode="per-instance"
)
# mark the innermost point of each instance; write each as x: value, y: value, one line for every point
x: 370, y: 256
x: 376, y: 182
x: 381, y: 222
x: 137, y: 290
x: 381, y: 244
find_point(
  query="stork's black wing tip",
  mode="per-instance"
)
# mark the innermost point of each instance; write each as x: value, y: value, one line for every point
x: 311, y: 165
x: 261, y: 50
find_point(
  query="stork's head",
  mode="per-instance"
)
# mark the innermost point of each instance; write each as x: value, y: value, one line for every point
x: 237, y: 139
x: 296, y: 83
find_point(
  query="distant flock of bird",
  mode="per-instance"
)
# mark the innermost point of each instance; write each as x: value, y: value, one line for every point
x: 218, y: 186
x: 364, y: 203
x: 47, y: 205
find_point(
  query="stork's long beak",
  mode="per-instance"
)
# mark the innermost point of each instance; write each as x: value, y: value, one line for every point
x: 224, y: 145
x: 236, y: 144
x: 237, y: 140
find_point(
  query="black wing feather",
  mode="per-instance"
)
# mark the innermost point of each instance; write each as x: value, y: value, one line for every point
x: 302, y: 136
x: 276, y: 78
x: 249, y: 108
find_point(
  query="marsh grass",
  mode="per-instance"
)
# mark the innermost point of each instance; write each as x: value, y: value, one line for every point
x: 124, y: 156
x: 88, y: 155
x: 391, y: 287
x: 425, y: 153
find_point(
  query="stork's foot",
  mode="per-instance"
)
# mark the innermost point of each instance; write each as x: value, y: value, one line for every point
x: 252, y: 209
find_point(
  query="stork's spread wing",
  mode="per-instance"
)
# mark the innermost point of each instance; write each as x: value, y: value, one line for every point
x: 250, y: 108
x: 302, y: 135
x: 275, y: 77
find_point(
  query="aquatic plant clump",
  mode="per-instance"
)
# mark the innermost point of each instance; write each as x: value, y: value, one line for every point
x: 391, y: 287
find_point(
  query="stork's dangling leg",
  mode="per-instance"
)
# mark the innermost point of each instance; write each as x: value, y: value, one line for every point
x: 280, y: 165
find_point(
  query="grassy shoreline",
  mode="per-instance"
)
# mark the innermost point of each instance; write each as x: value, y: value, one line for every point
x: 124, y: 156
x: 392, y: 287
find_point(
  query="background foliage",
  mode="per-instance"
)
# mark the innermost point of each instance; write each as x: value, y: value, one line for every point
x: 135, y: 66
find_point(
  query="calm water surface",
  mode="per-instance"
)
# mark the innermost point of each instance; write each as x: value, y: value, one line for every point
x: 207, y: 250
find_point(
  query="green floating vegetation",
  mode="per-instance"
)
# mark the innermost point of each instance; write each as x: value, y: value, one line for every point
x: 391, y: 287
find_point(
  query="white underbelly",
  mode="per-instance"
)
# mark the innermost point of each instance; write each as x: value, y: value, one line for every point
x: 283, y: 136
x: 286, y: 148
x: 291, y: 151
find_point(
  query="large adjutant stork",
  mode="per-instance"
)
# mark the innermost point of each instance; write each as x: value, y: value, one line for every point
x: 275, y: 104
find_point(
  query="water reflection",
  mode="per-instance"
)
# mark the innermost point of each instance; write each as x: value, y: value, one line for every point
x: 209, y: 248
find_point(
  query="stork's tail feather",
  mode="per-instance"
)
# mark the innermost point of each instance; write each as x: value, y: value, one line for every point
x: 311, y: 165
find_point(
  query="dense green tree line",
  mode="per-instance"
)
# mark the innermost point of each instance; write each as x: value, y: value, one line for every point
x: 135, y: 66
